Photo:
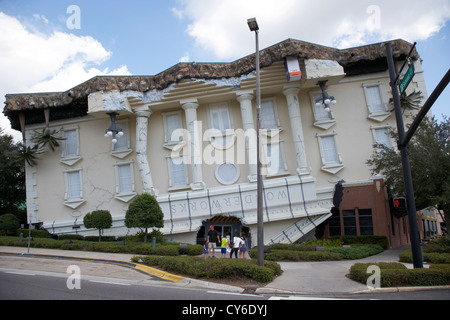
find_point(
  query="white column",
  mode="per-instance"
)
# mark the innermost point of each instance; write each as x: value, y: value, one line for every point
x: 190, y: 107
x: 142, y: 115
x: 291, y: 93
x: 245, y: 99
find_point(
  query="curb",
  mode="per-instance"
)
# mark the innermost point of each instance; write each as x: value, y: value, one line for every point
x: 402, y: 289
x: 158, y: 273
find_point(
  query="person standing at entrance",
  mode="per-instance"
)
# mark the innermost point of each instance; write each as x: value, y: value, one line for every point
x: 212, y: 239
x: 237, y: 244
x: 224, y: 247
x: 244, y: 247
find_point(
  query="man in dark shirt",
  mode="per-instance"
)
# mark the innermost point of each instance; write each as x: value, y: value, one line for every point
x: 212, y: 239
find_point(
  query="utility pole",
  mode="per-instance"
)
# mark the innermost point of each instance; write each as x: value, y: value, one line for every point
x: 253, y: 25
x: 411, y: 204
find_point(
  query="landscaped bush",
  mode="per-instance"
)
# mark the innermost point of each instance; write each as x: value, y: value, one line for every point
x: 437, y: 251
x: 439, y: 245
x: 293, y: 247
x: 70, y: 237
x: 112, y: 247
x: 397, y: 275
x: 358, y: 251
x: 292, y: 255
x: 214, y: 268
x: 379, y: 240
x: 34, y: 233
x: 296, y: 252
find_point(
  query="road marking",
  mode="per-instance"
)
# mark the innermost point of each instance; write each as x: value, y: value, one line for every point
x: 303, y: 298
x: 110, y: 282
x: 20, y: 273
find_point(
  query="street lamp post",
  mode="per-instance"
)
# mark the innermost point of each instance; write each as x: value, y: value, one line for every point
x: 253, y: 25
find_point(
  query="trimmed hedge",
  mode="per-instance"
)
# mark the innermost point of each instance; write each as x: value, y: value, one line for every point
x: 34, y: 233
x: 112, y: 247
x: 295, y: 252
x: 295, y: 255
x: 379, y: 240
x: 358, y: 251
x: 397, y: 275
x: 431, y: 257
x: 214, y: 268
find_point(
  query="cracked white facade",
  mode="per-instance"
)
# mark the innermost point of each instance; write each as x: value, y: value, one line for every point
x: 192, y: 146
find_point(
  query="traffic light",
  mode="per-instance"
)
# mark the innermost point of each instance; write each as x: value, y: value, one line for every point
x: 399, y: 207
x: 399, y: 203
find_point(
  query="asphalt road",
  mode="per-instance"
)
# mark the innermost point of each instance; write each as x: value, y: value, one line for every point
x: 16, y: 284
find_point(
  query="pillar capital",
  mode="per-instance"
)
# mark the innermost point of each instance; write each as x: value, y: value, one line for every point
x: 187, y: 104
x: 292, y: 89
x: 144, y: 111
x: 244, y: 95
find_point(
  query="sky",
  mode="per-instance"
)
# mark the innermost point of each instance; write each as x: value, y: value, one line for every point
x: 54, y: 45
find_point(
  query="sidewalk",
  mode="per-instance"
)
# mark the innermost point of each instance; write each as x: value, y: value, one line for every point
x: 323, y: 277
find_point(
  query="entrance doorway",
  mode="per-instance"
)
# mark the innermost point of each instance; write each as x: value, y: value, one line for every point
x: 225, y: 227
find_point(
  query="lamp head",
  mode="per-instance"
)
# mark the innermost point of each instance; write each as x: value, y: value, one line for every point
x: 253, y: 24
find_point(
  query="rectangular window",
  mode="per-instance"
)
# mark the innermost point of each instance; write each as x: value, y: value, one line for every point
x: 374, y: 100
x: 334, y: 223
x: 319, y: 111
x: 331, y: 158
x: 269, y: 117
x: 220, y: 117
x: 124, y: 141
x: 125, y: 178
x: 377, y: 105
x: 365, y: 222
x: 125, y: 189
x: 71, y: 142
x: 349, y: 222
x: 70, y: 146
x: 177, y: 173
x: 172, y: 122
x: 275, y: 158
x: 329, y: 149
x: 382, y: 136
x: 73, y: 196
x: 74, y: 185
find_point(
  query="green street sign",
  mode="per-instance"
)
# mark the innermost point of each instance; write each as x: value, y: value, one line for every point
x: 407, y: 79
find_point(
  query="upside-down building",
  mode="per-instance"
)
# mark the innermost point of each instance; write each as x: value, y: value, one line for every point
x: 188, y: 136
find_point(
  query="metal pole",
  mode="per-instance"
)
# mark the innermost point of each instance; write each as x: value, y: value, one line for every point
x: 260, y: 217
x: 412, y: 212
x: 426, y: 107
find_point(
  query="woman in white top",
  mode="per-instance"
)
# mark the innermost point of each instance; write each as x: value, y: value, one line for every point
x: 237, y: 244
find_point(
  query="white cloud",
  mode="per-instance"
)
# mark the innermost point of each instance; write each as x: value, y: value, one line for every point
x: 185, y: 58
x: 34, y: 62
x: 221, y: 28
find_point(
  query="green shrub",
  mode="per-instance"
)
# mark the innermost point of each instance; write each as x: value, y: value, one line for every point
x: 439, y: 245
x: 379, y: 240
x: 294, y: 247
x: 431, y: 257
x: 335, y: 242
x: 70, y: 237
x: 34, y: 233
x: 194, y: 249
x: 358, y: 252
x: 397, y: 275
x: 293, y: 255
x: 214, y: 268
